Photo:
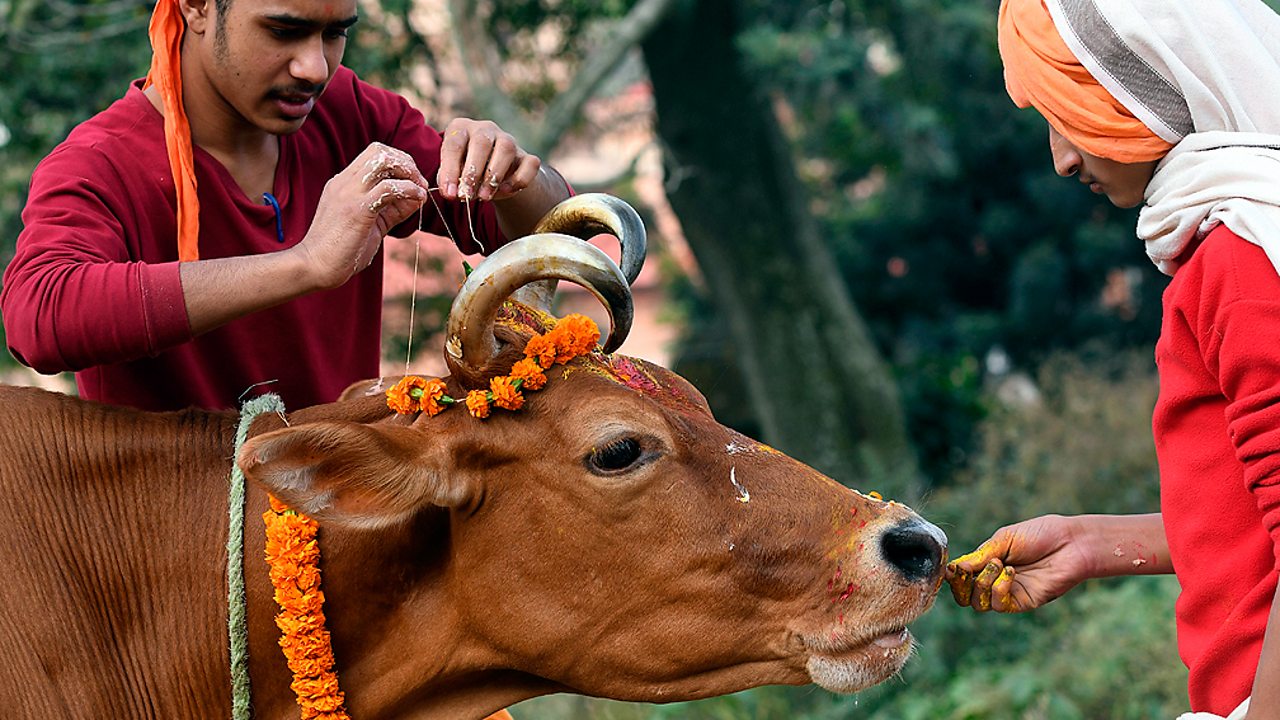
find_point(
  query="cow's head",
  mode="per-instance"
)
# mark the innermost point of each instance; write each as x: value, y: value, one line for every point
x: 611, y: 536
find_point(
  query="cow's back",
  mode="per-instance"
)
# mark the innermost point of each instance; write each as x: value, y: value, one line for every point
x: 112, y: 558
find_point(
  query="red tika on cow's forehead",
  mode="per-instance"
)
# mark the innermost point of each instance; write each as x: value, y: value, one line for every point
x: 637, y: 375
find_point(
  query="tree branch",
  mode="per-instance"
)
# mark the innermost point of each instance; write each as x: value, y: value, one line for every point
x: 43, y: 39
x: 602, y: 61
x: 19, y: 15
x: 607, y: 184
x: 480, y: 65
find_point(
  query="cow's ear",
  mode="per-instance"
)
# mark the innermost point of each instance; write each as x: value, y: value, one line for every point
x: 353, y: 474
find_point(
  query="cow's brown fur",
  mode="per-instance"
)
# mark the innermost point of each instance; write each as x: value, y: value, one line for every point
x: 467, y: 564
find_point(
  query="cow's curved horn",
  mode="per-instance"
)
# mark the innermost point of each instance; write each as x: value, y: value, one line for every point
x: 584, y: 217
x: 546, y: 256
x: 587, y: 215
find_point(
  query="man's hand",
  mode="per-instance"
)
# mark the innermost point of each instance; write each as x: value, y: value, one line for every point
x: 479, y: 160
x: 1021, y: 567
x: 1026, y: 565
x: 380, y: 189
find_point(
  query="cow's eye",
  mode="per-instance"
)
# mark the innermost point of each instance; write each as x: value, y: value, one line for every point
x: 617, y: 455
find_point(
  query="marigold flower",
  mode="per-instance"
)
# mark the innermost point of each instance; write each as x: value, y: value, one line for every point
x: 579, y: 336
x: 309, y: 667
x: 478, y: 403
x: 541, y: 348
x: 329, y: 704
x: 308, y: 576
x: 529, y: 372
x: 430, y: 403
x: 505, y: 394
x: 312, y: 645
x: 405, y: 396
x: 563, y: 341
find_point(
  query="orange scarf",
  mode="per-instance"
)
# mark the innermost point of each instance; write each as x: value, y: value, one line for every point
x: 1041, y: 71
x: 166, y: 31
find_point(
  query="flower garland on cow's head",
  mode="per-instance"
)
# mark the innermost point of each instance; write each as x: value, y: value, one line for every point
x: 572, y: 336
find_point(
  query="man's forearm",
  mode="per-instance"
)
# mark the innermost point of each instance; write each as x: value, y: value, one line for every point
x: 219, y: 291
x: 518, y: 214
x: 1124, y: 544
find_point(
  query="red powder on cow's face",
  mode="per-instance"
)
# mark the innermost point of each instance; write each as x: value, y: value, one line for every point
x: 848, y: 590
x: 634, y: 375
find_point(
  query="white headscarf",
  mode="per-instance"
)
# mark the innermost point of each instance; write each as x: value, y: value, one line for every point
x: 1204, y: 74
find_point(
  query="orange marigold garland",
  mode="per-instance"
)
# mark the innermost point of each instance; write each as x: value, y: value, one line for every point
x: 294, y: 556
x: 573, y: 336
x: 414, y: 394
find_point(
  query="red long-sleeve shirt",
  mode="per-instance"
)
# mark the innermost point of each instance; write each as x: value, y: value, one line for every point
x: 1217, y: 430
x: 94, y: 286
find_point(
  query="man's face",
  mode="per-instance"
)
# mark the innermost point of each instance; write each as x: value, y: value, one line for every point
x: 269, y: 60
x: 1124, y: 184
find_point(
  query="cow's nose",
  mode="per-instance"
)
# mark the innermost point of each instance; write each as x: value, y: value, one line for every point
x: 914, y: 549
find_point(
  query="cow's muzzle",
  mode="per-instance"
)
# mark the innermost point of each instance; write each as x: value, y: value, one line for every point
x: 915, y: 549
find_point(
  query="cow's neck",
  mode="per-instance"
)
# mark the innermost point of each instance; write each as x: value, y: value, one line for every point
x: 395, y: 658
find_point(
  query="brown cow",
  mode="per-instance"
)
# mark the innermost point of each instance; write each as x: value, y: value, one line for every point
x: 610, y: 538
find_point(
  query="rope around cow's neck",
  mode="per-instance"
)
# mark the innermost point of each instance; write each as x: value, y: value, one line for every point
x: 237, y: 630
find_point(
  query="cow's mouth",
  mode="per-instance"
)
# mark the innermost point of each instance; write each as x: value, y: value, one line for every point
x: 853, y: 666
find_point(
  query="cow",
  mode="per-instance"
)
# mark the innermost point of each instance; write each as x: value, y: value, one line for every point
x: 610, y: 538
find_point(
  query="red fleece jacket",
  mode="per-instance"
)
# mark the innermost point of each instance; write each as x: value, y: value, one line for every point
x: 1217, y: 430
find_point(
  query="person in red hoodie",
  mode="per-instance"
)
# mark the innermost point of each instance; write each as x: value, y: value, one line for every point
x: 1173, y: 105
x: 219, y: 227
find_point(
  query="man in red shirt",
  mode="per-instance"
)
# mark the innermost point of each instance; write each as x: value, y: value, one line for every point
x: 219, y: 227
x: 1172, y: 105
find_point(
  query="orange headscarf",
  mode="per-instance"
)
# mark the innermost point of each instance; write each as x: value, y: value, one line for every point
x: 1041, y: 71
x: 166, y: 31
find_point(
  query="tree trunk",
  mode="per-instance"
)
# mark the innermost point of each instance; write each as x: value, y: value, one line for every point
x: 815, y: 381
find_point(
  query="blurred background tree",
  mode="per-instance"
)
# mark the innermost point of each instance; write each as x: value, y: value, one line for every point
x: 62, y: 61
x: 896, y: 287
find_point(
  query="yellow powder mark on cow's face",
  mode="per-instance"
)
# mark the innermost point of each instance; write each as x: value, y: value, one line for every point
x: 767, y: 449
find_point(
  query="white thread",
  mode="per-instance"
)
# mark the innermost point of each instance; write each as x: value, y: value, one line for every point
x: 417, y: 247
x: 413, y: 295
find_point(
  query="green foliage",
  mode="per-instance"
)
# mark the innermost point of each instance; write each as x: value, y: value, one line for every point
x: 385, y: 46
x: 940, y: 202
x: 1062, y: 663
x: 61, y: 63
x: 533, y: 32
x: 1083, y: 446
